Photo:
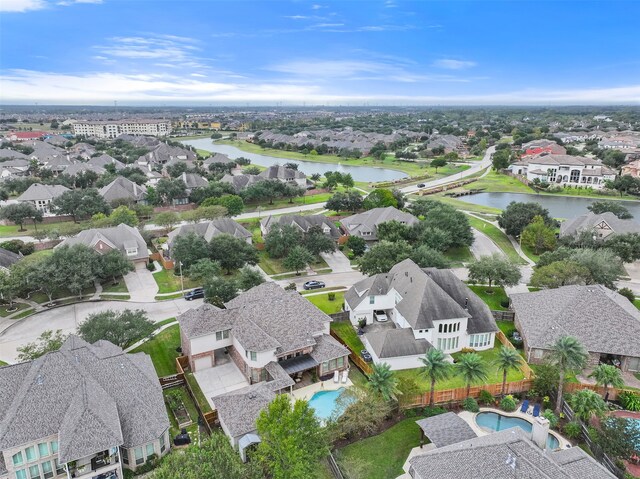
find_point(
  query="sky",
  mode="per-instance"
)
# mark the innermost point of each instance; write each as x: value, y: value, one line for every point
x: 373, y: 52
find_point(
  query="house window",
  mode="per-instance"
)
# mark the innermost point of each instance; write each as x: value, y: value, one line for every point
x: 332, y: 364
x: 21, y: 474
x: 17, y: 459
x: 341, y: 362
x: 54, y: 447
x: 163, y: 444
x: 325, y: 366
x: 372, y: 299
x: 254, y: 355
x: 43, y: 449
x: 124, y: 454
x: 220, y: 335
x: 150, y: 450
x: 537, y: 353
x: 34, y: 472
x: 138, y: 454
x: 47, y: 471
x: 59, y: 467
x: 439, y: 329
x: 132, y: 251
x: 31, y: 454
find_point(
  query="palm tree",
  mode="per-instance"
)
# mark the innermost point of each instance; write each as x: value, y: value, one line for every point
x: 607, y: 375
x: 435, y: 368
x: 586, y: 403
x: 472, y: 369
x: 568, y: 355
x: 507, y: 359
x: 383, y: 381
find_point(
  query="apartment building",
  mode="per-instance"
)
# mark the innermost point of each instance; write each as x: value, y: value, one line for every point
x: 112, y: 129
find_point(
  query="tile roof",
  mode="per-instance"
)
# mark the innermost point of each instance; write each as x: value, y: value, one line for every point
x: 588, y: 222
x: 368, y: 221
x: 601, y: 319
x: 446, y: 429
x: 86, y: 394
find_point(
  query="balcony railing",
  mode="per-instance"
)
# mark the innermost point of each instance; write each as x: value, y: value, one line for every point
x: 98, y: 462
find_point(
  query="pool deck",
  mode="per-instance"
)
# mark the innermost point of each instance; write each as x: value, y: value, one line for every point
x: 308, y: 391
x: 470, y: 418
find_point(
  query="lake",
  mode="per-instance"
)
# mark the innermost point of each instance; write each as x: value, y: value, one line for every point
x: 558, y: 206
x: 359, y: 173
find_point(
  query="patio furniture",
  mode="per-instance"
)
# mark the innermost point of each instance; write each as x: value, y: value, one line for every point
x: 525, y: 406
x: 536, y: 410
x: 345, y: 376
x: 336, y: 377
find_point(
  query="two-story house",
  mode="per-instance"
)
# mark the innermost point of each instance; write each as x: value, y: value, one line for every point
x: 41, y: 196
x: 427, y: 307
x: 366, y: 224
x: 602, y: 226
x: 303, y: 223
x: 85, y: 411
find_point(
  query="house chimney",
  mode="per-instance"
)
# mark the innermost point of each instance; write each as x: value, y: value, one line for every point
x: 466, y: 303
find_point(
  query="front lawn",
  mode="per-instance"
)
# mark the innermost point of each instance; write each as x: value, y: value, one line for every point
x: 325, y: 305
x: 119, y: 287
x: 494, y: 376
x: 273, y: 266
x: 162, y: 349
x: 40, y: 297
x: 459, y: 255
x: 345, y: 330
x: 168, y: 282
x: 381, y: 456
x: 493, y: 300
x: 16, y: 307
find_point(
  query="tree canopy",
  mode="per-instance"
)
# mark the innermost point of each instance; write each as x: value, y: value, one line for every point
x: 121, y: 328
x: 495, y: 269
x: 517, y: 216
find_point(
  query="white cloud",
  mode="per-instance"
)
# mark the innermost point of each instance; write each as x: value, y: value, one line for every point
x: 67, y: 3
x: 450, y: 64
x: 390, y: 4
x: 19, y: 6
x: 316, y: 6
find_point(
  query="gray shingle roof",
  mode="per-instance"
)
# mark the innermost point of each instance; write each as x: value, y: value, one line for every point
x: 485, y: 457
x: 193, y: 180
x: 44, y: 397
x: 8, y: 153
x: 368, y: 221
x: 588, y: 221
x: 104, y: 160
x: 7, y: 258
x: 393, y: 343
x: 42, y: 192
x: 209, y: 229
x: 601, y: 319
x: 302, y: 222
x: 123, y: 189
x: 118, y: 237
x: 76, y: 168
x: 446, y: 429
x: 277, y: 172
x: 239, y: 182
x: 239, y: 410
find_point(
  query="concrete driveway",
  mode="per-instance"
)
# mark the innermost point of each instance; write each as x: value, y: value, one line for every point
x: 141, y: 285
x: 67, y: 318
x: 220, y: 379
x: 337, y: 261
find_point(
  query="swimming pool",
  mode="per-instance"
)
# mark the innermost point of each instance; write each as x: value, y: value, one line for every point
x: 497, y: 422
x: 324, y: 403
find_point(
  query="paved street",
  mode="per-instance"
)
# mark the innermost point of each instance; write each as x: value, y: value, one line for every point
x: 67, y: 318
x: 331, y: 280
x: 483, y: 245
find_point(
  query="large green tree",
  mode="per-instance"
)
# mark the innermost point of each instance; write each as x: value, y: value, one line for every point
x: 382, y: 256
x: 292, y: 439
x: 218, y: 290
x: 188, y: 249
x: 507, y: 359
x: 121, y: 328
x: 472, y: 368
x: 298, y: 259
x: 567, y: 355
x: 435, y: 367
x: 19, y: 213
x: 233, y: 203
x: 560, y: 273
x: 47, y: 342
x: 615, y: 207
x: 517, y: 216
x: 380, y: 198
x: 232, y: 253
x: 426, y: 257
x: 249, y: 277
x: 495, y: 269
x: 316, y: 241
x: 114, y: 265
x: 75, y: 267
x: 281, y: 239
x: 80, y: 204
x: 538, y: 236
x: 443, y: 217
x: 169, y: 189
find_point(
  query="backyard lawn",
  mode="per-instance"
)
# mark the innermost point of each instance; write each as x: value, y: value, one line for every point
x: 325, y: 305
x: 489, y: 356
x: 162, y: 350
x: 191, y: 409
x: 197, y: 392
x: 168, y: 282
x: 492, y: 300
x: 345, y: 330
x: 381, y: 456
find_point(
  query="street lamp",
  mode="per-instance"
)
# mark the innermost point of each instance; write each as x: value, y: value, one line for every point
x: 181, y: 277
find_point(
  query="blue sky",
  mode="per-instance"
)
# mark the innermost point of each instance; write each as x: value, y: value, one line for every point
x: 315, y: 52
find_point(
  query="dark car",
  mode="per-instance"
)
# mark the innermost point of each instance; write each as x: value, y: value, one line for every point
x: 313, y: 285
x: 194, y: 294
x: 366, y: 356
x: 421, y: 185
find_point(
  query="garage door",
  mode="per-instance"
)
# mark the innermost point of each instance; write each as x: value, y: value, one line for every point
x: 202, y: 363
x: 141, y: 264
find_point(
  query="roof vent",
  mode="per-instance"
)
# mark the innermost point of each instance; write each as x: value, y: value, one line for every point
x: 466, y: 302
x: 39, y: 380
x: 121, y: 365
x: 411, y: 279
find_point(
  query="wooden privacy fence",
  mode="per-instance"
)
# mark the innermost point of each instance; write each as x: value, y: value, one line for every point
x: 353, y: 355
x: 171, y: 381
x: 613, y: 392
x: 524, y: 367
x: 208, y: 418
x: 503, y: 315
x: 459, y: 394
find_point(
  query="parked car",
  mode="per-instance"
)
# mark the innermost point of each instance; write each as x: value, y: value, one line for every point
x: 421, y: 185
x: 313, y: 285
x: 366, y: 356
x: 194, y: 294
x: 380, y: 315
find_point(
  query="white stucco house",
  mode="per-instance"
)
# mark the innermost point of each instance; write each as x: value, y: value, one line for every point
x: 426, y: 308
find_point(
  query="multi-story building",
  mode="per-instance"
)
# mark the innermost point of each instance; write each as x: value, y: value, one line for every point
x: 86, y: 411
x: 41, y: 196
x: 112, y: 129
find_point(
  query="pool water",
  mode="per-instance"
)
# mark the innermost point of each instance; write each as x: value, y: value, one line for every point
x: 324, y: 403
x: 497, y: 422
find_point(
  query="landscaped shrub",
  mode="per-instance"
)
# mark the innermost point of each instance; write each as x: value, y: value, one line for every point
x: 470, y: 405
x: 508, y: 404
x: 504, y: 303
x: 408, y: 413
x: 551, y: 417
x: 629, y: 401
x: 331, y: 296
x: 486, y: 398
x: 174, y: 398
x: 467, y: 350
x: 434, y: 411
x: 290, y: 287
x: 627, y: 293
x: 572, y: 430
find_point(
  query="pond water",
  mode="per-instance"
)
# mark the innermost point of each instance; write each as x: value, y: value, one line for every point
x: 359, y: 173
x: 558, y: 206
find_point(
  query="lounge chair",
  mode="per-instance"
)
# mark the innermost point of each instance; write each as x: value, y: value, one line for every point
x: 536, y: 410
x: 345, y: 375
x: 336, y: 377
x: 525, y: 406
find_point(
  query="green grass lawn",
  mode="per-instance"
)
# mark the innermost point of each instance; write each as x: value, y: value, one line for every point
x: 345, y: 330
x: 459, y: 255
x: 16, y: 307
x: 195, y: 387
x: 162, y: 350
x: 2, y: 363
x: 381, y: 456
x: 498, y: 237
x: 530, y: 253
x: 494, y: 376
x: 115, y: 297
x: 168, y: 282
x: 507, y: 327
x: 40, y: 297
x: 273, y: 266
x: 119, y: 287
x: 24, y: 314
x: 461, y: 205
x: 285, y: 203
x: 492, y: 300
x: 323, y: 303
x: 496, y: 182
x: 191, y: 409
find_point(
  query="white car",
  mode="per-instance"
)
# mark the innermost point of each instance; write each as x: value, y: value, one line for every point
x: 380, y: 315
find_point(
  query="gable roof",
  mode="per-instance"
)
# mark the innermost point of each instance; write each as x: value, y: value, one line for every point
x: 601, y: 319
x: 302, y: 222
x: 240, y: 182
x: 79, y: 167
x: 368, y: 221
x: 446, y: 429
x: 123, y: 189
x: 485, y: 457
x: 218, y: 158
x: 8, y: 153
x: 393, y: 343
x: 590, y: 220
x: 193, y: 180
x: 7, y: 258
x: 104, y: 160
x: 95, y: 391
x: 277, y: 172
x: 209, y: 229
x: 238, y: 410
x: 38, y: 191
x: 118, y: 237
